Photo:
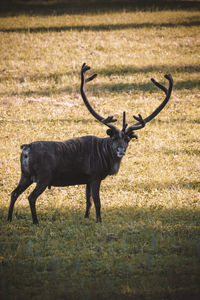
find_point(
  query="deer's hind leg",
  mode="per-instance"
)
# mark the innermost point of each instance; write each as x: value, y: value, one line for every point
x: 24, y: 183
x: 39, y: 189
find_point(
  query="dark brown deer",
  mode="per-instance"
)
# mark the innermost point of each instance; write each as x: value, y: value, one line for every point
x: 84, y: 160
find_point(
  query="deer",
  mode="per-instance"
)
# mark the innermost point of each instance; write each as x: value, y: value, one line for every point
x: 85, y: 160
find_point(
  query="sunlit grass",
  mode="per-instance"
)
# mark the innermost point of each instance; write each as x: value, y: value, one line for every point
x: 148, y: 246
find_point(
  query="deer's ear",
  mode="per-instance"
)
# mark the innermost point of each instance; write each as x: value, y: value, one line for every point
x: 131, y: 135
x: 110, y: 132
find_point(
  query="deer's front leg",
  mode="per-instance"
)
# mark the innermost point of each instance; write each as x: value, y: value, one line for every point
x: 95, y: 187
x: 89, y: 200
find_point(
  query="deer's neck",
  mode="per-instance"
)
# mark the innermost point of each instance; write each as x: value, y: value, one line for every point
x: 114, y: 162
x: 114, y: 167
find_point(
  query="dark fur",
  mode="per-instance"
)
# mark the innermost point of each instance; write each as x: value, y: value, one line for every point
x: 85, y: 160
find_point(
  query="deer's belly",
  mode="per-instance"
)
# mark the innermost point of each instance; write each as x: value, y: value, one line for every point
x: 65, y: 179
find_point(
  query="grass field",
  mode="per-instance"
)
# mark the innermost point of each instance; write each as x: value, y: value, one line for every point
x: 148, y: 246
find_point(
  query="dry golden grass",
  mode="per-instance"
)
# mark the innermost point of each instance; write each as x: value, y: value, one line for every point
x: 148, y: 246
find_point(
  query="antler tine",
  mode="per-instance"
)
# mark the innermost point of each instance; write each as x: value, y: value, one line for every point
x: 91, y: 78
x: 103, y: 120
x: 141, y: 122
x: 160, y: 86
x: 124, y: 122
x: 168, y: 94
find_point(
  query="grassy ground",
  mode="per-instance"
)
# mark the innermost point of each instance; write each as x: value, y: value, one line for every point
x: 148, y: 246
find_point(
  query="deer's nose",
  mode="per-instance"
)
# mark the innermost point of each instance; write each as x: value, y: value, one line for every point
x: 121, y: 151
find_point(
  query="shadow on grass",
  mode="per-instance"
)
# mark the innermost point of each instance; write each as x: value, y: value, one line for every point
x: 112, y: 70
x: 116, y: 70
x: 101, y: 27
x: 178, y: 120
x: 14, y: 7
x: 73, y: 218
x: 97, y: 89
x: 184, y: 185
x: 189, y: 152
x: 131, y: 253
x: 52, y: 121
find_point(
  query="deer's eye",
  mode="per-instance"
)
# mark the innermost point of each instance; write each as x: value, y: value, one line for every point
x: 127, y: 138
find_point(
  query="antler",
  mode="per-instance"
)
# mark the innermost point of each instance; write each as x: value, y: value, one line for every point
x: 105, y: 121
x: 141, y: 122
